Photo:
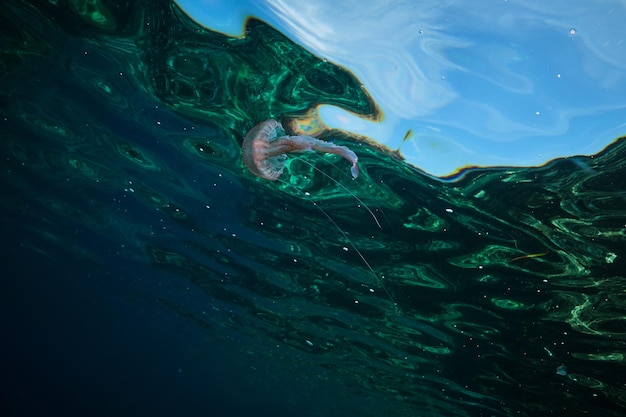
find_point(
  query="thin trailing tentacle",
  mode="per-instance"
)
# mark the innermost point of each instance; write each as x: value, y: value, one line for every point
x: 351, y: 243
x: 346, y: 189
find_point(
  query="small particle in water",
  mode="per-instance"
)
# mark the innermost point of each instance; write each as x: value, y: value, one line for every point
x: 572, y: 32
x: 561, y: 370
x: 532, y: 255
x: 408, y: 135
x: 449, y: 210
x: 308, y: 342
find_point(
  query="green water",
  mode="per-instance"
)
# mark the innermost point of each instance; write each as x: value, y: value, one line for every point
x: 122, y: 182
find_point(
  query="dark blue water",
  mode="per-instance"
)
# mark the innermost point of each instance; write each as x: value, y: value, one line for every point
x: 146, y: 271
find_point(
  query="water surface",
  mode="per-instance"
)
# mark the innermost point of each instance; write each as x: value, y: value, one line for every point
x: 147, y: 271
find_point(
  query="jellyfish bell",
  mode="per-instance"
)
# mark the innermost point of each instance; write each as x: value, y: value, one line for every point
x: 265, y: 147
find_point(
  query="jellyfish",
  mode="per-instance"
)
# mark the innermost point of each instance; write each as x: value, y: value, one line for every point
x: 266, y: 145
x: 264, y: 153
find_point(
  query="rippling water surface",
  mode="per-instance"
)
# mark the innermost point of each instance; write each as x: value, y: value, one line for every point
x: 147, y: 271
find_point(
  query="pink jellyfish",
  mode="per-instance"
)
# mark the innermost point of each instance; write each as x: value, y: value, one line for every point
x: 266, y: 144
x: 264, y: 154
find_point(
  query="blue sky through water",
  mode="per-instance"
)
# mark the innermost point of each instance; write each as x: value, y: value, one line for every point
x: 491, y: 83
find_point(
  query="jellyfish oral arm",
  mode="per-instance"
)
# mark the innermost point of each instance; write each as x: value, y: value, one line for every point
x: 264, y: 148
x: 339, y: 150
x: 290, y: 144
